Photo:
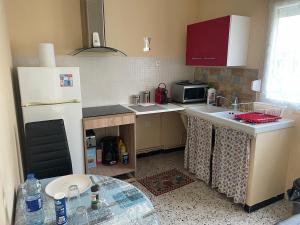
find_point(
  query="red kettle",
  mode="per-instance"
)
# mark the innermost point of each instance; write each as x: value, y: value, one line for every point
x: 161, y: 94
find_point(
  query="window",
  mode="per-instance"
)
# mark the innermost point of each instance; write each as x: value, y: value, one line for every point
x: 282, y: 68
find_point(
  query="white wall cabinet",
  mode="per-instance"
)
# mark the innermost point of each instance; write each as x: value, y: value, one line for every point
x: 218, y: 42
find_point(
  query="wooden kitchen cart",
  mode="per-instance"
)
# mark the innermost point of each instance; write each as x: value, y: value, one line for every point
x: 126, y: 130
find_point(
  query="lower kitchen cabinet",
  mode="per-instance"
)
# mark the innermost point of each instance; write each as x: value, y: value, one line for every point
x: 268, y: 167
x: 173, y: 132
x: 159, y: 131
x: 148, y: 133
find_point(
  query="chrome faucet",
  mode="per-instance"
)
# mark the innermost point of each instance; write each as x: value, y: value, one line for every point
x: 234, y: 103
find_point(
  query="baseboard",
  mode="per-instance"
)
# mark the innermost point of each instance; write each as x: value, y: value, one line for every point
x: 252, y: 208
x: 159, y: 151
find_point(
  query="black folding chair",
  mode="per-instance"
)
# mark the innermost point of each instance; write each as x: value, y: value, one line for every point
x: 46, y: 153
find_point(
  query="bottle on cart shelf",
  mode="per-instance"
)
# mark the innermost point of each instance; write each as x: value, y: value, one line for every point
x: 32, y: 193
x: 122, y: 150
x: 125, y: 158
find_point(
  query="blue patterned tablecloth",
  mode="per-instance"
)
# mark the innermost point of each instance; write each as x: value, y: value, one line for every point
x: 122, y: 204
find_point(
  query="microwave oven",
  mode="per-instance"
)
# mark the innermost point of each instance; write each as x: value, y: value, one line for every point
x: 189, y: 92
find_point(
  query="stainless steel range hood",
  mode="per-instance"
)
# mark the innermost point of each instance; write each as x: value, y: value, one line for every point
x: 93, y: 20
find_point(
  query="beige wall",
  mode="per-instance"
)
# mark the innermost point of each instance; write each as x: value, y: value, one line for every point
x: 9, y: 172
x: 34, y: 21
x: 128, y: 22
x: 256, y: 9
x: 59, y: 21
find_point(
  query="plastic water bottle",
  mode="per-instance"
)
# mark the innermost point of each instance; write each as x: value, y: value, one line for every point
x: 32, y: 192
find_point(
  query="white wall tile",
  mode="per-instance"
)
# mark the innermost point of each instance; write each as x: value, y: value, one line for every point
x: 112, y: 80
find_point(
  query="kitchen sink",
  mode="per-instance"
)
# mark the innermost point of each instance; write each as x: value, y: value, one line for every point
x: 225, y: 115
x: 146, y: 107
x: 208, y: 108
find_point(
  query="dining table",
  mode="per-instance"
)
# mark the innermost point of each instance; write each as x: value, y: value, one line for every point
x: 121, y: 203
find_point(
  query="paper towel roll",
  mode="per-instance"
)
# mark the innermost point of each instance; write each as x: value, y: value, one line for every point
x: 46, y: 55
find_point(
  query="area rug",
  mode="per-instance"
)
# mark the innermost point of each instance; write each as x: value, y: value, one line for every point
x: 165, y: 182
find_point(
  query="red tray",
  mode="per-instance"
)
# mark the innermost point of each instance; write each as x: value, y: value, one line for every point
x: 255, y: 117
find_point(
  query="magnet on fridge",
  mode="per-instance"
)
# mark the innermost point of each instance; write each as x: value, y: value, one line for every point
x: 66, y: 80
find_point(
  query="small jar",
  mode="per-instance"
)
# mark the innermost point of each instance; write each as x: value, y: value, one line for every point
x: 95, y: 196
x: 146, y: 96
x: 136, y: 99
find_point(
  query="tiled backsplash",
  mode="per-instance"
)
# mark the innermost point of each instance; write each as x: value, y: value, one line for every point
x: 229, y: 82
x: 112, y: 80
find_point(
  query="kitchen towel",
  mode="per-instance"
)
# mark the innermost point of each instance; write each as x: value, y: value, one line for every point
x: 230, y: 164
x: 197, y: 154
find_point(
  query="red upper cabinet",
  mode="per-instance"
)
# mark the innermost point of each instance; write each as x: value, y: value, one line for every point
x: 218, y: 42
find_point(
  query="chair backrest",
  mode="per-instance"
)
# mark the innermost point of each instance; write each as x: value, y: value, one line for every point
x: 46, y: 153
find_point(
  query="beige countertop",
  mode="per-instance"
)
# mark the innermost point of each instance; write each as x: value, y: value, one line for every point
x: 207, y: 112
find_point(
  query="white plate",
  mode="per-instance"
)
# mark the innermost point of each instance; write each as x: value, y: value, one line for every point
x: 62, y: 184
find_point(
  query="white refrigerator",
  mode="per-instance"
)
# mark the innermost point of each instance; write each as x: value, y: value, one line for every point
x: 54, y: 93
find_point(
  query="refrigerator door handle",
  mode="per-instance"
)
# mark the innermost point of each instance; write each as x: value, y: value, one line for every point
x: 51, y: 103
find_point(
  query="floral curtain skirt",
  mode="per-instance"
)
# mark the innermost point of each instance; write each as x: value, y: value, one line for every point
x: 230, y: 157
x: 198, y: 148
x: 230, y: 167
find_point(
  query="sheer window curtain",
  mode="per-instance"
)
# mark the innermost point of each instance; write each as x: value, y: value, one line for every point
x: 281, y: 82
